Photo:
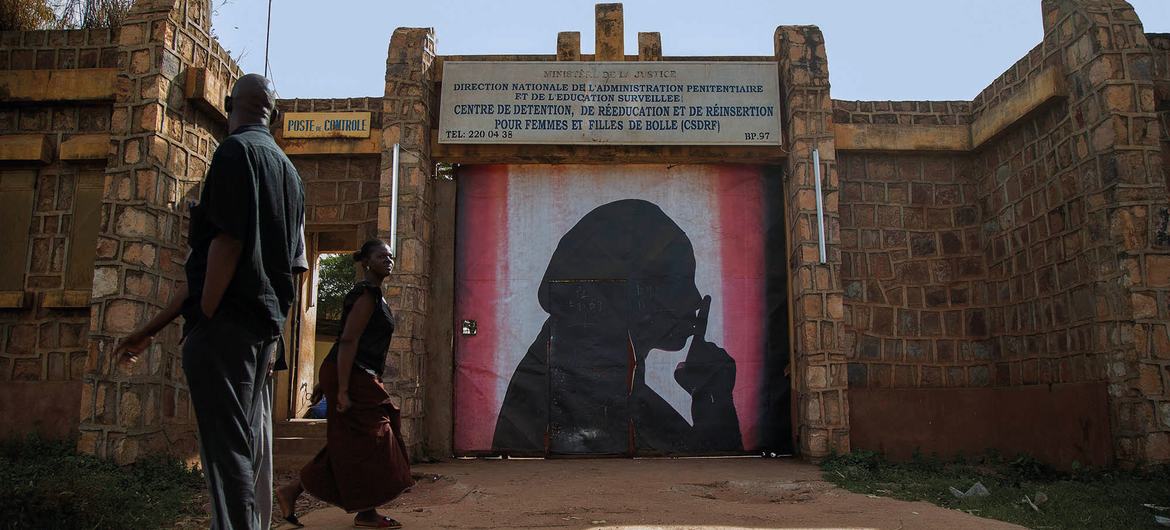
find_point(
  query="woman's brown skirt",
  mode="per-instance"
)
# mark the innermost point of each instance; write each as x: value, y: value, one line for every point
x: 364, y: 463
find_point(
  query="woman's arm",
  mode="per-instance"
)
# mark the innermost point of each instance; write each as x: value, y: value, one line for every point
x: 138, y: 340
x: 355, y: 325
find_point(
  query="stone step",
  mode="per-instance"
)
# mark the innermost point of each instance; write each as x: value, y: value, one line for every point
x: 289, y: 462
x: 292, y: 445
x: 296, y: 442
x: 299, y: 429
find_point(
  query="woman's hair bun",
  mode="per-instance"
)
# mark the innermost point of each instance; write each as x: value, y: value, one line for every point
x: 367, y: 248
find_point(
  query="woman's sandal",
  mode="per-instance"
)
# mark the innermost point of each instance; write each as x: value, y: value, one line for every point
x: 288, y: 513
x: 292, y: 519
x: 383, y: 522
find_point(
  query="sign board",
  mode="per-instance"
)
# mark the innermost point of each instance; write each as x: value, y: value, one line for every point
x: 642, y: 103
x: 327, y: 125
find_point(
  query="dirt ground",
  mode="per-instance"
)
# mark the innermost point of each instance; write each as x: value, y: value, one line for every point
x: 717, y: 493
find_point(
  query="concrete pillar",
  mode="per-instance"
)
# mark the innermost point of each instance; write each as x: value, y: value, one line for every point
x: 649, y: 46
x: 610, y: 34
x: 569, y: 46
x: 406, y: 120
x: 819, y: 373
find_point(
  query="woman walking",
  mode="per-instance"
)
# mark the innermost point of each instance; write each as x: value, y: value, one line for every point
x: 364, y: 462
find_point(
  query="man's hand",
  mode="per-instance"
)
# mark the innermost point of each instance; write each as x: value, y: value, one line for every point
x: 132, y: 346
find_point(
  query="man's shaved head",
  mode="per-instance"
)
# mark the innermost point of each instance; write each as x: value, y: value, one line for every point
x: 253, y: 102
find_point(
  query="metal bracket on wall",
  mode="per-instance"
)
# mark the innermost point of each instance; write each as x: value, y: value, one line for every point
x: 394, y: 201
x: 820, y: 205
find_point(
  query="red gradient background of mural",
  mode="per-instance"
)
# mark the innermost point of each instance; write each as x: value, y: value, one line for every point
x: 741, y: 214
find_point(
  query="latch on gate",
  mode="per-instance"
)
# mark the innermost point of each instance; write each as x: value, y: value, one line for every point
x: 469, y: 327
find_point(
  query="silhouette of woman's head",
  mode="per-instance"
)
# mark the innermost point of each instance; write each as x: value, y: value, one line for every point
x: 635, y: 242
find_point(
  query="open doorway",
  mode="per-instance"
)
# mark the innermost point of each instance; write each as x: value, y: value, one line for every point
x: 314, y: 324
x: 335, y: 275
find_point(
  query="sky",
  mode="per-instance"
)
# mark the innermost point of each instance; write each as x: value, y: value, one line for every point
x: 878, y: 50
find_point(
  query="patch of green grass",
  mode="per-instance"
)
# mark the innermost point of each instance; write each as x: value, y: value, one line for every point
x: 1080, y: 499
x: 48, y: 484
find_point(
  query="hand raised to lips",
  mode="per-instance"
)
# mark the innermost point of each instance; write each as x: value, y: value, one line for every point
x: 708, y: 369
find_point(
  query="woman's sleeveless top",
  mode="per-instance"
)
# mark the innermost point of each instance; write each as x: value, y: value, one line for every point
x: 375, y: 339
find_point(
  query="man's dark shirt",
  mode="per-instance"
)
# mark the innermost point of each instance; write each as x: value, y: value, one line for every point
x: 253, y: 193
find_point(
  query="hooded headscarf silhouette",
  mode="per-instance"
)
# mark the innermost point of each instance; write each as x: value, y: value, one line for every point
x: 252, y: 102
x: 620, y: 283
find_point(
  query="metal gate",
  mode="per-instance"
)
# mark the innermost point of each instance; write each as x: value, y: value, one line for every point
x: 619, y: 310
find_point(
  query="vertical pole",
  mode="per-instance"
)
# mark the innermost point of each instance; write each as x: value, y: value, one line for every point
x: 820, y: 205
x: 394, y: 201
x: 267, y: 38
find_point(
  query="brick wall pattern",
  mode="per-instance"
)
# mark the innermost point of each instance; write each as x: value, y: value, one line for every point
x: 818, y: 300
x: 161, y: 146
x: 38, y: 343
x: 408, y: 120
x: 1038, y: 258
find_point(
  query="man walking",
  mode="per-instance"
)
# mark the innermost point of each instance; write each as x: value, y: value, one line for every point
x: 246, y: 247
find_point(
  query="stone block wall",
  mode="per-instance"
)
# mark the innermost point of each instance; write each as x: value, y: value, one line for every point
x: 58, y: 49
x: 912, y: 269
x: 974, y: 232
x: 372, y: 105
x: 161, y: 145
x: 1014, y: 78
x: 1160, y: 45
x: 407, y: 119
x: 341, y: 191
x: 1040, y: 282
x: 1069, y: 199
x: 902, y: 112
x: 1154, y: 306
x: 819, y: 375
x: 42, y: 344
x: 1066, y: 209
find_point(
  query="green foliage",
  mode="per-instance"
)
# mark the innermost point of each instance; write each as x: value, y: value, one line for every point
x: 24, y: 15
x: 1025, y: 467
x: 1079, y: 499
x: 47, y: 484
x: 445, y: 171
x: 335, y: 278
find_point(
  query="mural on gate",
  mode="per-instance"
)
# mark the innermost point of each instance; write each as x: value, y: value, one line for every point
x: 619, y: 309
